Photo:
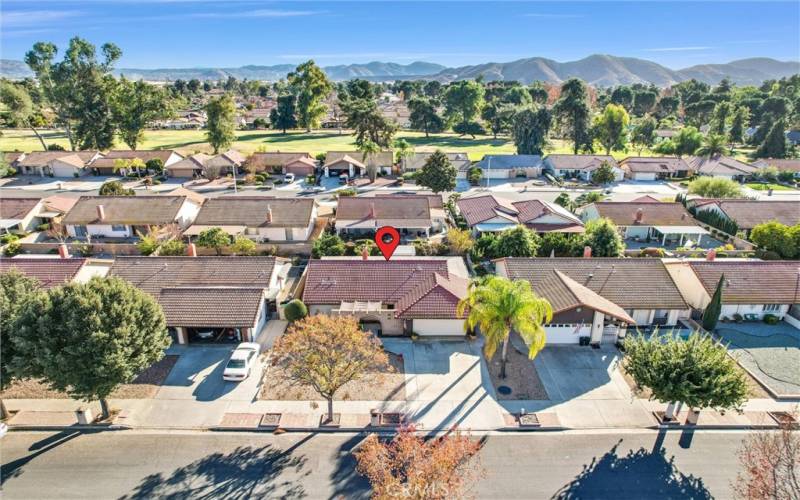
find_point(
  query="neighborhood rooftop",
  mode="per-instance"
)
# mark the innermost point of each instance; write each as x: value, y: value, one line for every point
x: 17, y: 208
x: 645, y: 214
x: 750, y: 213
x: 658, y: 164
x: 133, y: 210
x: 49, y: 272
x: 751, y: 282
x: 629, y: 283
x: 423, y: 285
x: 255, y: 211
x: 384, y: 209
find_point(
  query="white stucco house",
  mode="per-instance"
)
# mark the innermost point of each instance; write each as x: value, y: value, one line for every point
x: 580, y: 167
x: 258, y: 218
x: 124, y: 217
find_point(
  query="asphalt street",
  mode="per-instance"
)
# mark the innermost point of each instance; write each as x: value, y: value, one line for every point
x: 132, y: 465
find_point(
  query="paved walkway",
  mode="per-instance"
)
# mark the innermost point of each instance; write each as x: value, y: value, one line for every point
x: 447, y: 384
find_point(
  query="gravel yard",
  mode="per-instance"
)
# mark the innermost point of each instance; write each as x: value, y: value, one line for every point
x: 144, y: 386
x: 521, y: 377
x: 381, y: 386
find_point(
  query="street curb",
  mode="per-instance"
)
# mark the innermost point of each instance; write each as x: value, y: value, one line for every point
x: 76, y: 427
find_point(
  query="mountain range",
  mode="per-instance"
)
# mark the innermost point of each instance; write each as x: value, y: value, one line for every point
x: 597, y: 70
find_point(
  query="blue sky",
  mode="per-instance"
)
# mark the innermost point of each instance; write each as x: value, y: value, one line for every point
x: 189, y: 33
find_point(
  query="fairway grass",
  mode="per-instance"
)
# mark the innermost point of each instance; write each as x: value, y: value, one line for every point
x: 248, y: 141
x: 766, y: 187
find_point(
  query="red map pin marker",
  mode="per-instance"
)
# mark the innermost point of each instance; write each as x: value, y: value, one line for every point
x: 387, y: 238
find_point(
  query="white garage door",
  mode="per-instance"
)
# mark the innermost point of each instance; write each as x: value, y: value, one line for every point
x: 438, y: 327
x: 645, y: 176
x: 566, y: 334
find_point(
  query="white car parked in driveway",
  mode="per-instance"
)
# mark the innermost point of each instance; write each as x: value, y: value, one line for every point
x: 241, y: 362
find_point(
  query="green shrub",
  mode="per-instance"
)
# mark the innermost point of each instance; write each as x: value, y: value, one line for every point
x: 651, y: 252
x: 346, y: 192
x: 295, y: 310
x: 43, y: 227
x: 12, y: 249
x: 172, y: 248
x: 771, y: 319
x: 8, y: 238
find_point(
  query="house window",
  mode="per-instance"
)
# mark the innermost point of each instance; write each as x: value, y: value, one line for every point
x: 119, y: 227
x: 772, y: 307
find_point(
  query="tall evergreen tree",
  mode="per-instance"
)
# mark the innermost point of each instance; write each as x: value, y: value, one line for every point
x: 438, y: 173
x: 312, y: 87
x: 774, y: 145
x: 572, y: 112
x: 282, y: 116
x: 423, y: 116
x: 530, y: 129
x: 714, y: 308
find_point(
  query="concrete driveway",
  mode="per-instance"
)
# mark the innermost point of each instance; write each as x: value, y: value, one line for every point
x: 577, y: 372
x: 198, y: 376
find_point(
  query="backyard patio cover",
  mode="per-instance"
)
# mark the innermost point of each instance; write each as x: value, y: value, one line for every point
x: 680, y: 230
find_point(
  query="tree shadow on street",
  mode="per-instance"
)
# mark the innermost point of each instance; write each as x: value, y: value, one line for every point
x: 246, y: 472
x: 16, y: 467
x: 638, y: 474
x: 348, y: 482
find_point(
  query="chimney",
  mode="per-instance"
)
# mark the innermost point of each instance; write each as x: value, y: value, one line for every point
x: 365, y: 253
x: 63, y: 251
x: 639, y: 215
x: 587, y: 252
x: 191, y: 250
x: 711, y: 255
x: 101, y: 213
x: 269, y: 214
x: 683, y: 216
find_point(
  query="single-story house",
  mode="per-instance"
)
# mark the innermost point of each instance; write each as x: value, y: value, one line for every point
x: 258, y: 218
x: 300, y: 167
x: 12, y: 157
x: 580, y: 166
x: 600, y: 297
x: 782, y: 164
x: 275, y: 161
x: 52, y: 270
x: 751, y: 287
x: 383, y: 161
x: 510, y: 166
x: 489, y: 213
x: 106, y: 164
x: 650, y: 168
x: 721, y: 166
x: 411, y: 215
x: 226, y: 162
x: 416, y: 161
x: 190, y: 167
x: 125, y: 216
x: 209, y: 299
x: 401, y: 296
x: 54, y: 208
x: 664, y: 134
x: 19, y: 215
x: 664, y: 222
x: 56, y: 163
x: 346, y: 165
x: 749, y: 213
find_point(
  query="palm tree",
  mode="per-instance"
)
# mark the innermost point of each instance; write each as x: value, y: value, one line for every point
x: 497, y: 306
x: 713, y: 145
x: 403, y: 150
x: 368, y: 149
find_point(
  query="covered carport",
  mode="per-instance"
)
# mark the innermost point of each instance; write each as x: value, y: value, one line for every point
x: 215, y: 315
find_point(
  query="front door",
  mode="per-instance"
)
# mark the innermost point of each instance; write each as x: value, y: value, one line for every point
x: 80, y: 231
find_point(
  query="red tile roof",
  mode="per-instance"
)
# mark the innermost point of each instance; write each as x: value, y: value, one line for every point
x: 49, y: 272
x: 416, y: 288
x: 623, y: 213
x: 17, y: 208
x: 629, y: 283
x: 752, y: 282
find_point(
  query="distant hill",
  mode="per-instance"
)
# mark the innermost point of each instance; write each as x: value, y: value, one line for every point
x: 374, y: 71
x: 607, y: 71
x: 598, y: 70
